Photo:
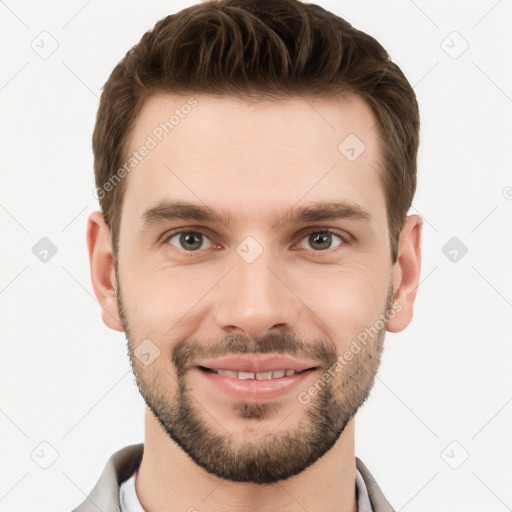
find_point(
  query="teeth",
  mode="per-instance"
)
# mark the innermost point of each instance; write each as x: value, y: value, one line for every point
x: 264, y: 375
x: 229, y: 373
x: 276, y: 374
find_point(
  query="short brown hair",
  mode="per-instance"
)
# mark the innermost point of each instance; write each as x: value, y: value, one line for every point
x: 260, y: 49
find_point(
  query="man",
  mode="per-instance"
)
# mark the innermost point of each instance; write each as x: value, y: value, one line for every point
x: 255, y: 162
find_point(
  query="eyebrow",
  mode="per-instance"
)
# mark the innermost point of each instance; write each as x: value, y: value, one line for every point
x: 319, y: 211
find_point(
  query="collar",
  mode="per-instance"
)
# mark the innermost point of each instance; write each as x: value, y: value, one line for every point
x: 123, y: 463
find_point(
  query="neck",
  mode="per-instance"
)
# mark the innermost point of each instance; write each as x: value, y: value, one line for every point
x: 169, y: 480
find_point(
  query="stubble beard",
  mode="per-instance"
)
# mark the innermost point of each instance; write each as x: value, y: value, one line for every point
x: 277, y: 455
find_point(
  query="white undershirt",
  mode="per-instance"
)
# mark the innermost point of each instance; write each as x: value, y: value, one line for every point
x: 130, y: 502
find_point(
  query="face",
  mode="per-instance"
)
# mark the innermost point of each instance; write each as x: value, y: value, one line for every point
x: 253, y: 256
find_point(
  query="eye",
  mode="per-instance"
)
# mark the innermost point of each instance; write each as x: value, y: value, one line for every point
x: 322, y: 240
x: 189, y: 240
x: 319, y: 240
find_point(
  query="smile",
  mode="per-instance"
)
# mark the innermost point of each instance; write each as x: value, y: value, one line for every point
x: 276, y: 374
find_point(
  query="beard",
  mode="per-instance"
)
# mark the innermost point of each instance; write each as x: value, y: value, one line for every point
x: 276, y: 455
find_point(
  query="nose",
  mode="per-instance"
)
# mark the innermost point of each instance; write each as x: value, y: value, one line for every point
x: 256, y: 298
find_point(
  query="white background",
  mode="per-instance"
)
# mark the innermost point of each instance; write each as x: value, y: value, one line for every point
x: 65, y: 377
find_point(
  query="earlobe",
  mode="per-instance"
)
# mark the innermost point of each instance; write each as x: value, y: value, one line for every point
x: 406, y: 272
x: 102, y: 269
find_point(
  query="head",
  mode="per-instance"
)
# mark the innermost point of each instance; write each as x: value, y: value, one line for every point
x: 255, y: 162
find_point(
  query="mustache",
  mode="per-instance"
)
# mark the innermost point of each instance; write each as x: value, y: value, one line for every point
x: 188, y: 350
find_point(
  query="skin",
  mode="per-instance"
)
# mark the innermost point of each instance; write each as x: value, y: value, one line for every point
x: 256, y: 161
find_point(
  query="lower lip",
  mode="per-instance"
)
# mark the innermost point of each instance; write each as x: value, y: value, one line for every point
x: 253, y: 390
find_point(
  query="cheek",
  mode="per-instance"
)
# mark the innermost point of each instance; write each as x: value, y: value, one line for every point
x: 160, y: 301
x: 349, y: 300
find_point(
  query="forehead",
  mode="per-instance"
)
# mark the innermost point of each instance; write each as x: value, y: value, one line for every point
x: 234, y: 121
x: 222, y: 149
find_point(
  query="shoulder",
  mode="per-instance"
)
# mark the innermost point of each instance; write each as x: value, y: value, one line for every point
x: 120, y: 465
x: 377, y: 498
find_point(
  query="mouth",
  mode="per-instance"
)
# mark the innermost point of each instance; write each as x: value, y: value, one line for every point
x: 254, y: 379
x: 242, y: 375
x: 260, y: 366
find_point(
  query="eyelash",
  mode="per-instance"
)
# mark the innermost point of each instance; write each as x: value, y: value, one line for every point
x: 344, y: 237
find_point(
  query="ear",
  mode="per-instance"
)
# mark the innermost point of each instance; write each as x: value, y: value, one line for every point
x: 103, y: 276
x: 406, y: 272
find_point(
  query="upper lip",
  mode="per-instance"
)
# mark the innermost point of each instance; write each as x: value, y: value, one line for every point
x: 257, y: 364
